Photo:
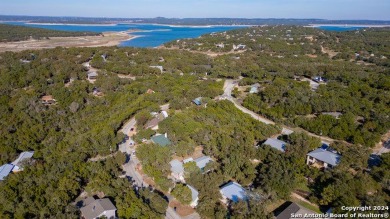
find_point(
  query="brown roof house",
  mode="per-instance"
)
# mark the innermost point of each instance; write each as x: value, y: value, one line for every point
x: 48, y: 100
x: 97, y: 208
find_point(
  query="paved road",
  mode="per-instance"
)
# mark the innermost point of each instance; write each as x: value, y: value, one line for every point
x: 229, y: 86
x: 128, y: 125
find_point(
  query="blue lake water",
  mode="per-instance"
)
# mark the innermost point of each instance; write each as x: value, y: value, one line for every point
x: 149, y: 35
x: 339, y: 28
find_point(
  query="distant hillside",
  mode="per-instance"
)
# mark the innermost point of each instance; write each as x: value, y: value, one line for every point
x: 11, y: 33
x: 188, y: 21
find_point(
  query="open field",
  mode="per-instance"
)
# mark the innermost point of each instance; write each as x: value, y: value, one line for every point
x: 106, y: 39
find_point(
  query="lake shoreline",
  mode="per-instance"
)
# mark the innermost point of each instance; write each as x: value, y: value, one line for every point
x: 107, y: 39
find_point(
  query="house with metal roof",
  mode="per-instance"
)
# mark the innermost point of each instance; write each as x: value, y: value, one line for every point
x: 21, y: 160
x: 161, y: 140
x: 292, y: 209
x: 233, y: 191
x: 5, y: 170
x: 98, y: 208
x: 198, y: 101
x: 159, y: 67
x: 254, y: 88
x: 92, y: 75
x: 276, y: 143
x: 194, y: 196
x: 323, y: 158
x: 201, y: 162
x: 177, y: 170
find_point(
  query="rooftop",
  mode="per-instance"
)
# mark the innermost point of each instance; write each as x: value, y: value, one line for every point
x: 176, y: 166
x: 96, y: 208
x: 325, y: 156
x: 201, y: 162
x: 233, y: 191
x: 276, y: 143
x: 23, y: 156
x: 194, y: 193
x: 5, y: 170
x: 161, y: 140
x: 198, y: 101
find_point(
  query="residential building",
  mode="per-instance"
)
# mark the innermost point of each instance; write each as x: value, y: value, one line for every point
x: 294, y: 211
x: 177, y: 170
x: 21, y: 160
x: 161, y: 140
x: 98, y: 208
x: 323, y: 158
x: 197, y: 101
x: 159, y: 67
x: 239, y: 46
x: 276, y: 143
x: 48, y: 100
x: 254, y: 88
x: 164, y: 114
x: 319, y: 79
x: 5, y: 170
x: 150, y: 91
x: 152, y: 124
x: 233, y: 191
x: 92, y: 75
x: 194, y: 196
x: 201, y: 162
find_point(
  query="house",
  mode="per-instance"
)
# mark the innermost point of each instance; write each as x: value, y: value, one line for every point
x: 293, y: 210
x: 319, y: 79
x: 92, y: 75
x: 98, y: 208
x: 5, y: 170
x: 164, y: 114
x: 152, y: 124
x: 48, y: 100
x: 198, y: 101
x: 254, y: 88
x: 334, y: 114
x: 276, y: 143
x: 150, y: 91
x: 177, y: 170
x: 233, y: 191
x: 161, y: 140
x: 194, y: 196
x: 220, y: 45
x: 21, y: 160
x: 323, y: 158
x: 201, y: 162
x: 159, y: 67
x: 239, y: 46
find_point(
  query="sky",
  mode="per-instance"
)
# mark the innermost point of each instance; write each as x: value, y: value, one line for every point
x: 323, y: 9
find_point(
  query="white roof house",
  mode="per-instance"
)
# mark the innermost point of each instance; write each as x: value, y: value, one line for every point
x: 276, y: 143
x: 233, y: 191
x: 18, y: 163
x: 5, y: 170
x: 159, y: 67
x: 194, y: 196
x: 202, y: 161
x: 164, y: 114
x: 324, y: 158
x: 177, y: 170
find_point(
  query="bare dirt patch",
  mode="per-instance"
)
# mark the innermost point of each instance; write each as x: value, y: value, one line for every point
x: 106, y: 39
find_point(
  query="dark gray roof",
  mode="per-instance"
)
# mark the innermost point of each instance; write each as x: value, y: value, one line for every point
x: 286, y: 213
x: 97, y: 208
x: 325, y: 156
x: 276, y: 143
